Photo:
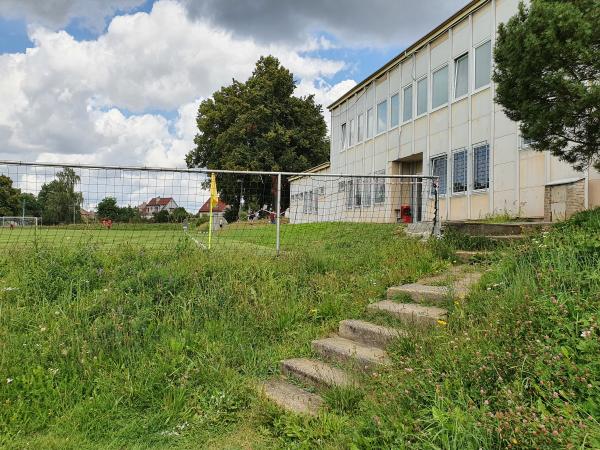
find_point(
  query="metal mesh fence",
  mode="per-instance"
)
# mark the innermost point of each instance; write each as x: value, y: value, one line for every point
x: 54, y: 204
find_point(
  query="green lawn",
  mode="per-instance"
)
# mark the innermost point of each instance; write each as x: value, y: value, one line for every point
x: 253, y: 236
x: 120, y: 347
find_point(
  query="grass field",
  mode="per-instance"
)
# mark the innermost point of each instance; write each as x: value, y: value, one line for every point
x: 119, y: 347
x: 257, y: 236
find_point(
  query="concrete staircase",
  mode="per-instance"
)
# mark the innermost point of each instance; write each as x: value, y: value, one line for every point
x: 360, y: 346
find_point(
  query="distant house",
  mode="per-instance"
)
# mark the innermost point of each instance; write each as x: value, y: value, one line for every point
x: 219, y: 208
x: 218, y: 213
x: 87, y: 216
x: 156, y: 205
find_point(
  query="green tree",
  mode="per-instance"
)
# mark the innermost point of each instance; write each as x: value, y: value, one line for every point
x: 548, y: 74
x: 162, y: 216
x: 108, y: 209
x: 129, y: 214
x: 31, y: 203
x: 9, y: 197
x: 179, y: 215
x: 259, y: 125
x: 59, y: 201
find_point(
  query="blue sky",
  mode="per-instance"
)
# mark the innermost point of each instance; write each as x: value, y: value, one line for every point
x: 119, y: 81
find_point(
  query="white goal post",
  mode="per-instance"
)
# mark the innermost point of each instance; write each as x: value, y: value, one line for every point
x: 18, y: 221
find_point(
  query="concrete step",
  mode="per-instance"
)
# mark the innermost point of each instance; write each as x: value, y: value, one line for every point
x: 411, y: 313
x: 369, y: 333
x: 466, y: 256
x: 496, y: 229
x: 508, y: 237
x: 292, y: 398
x: 462, y: 286
x: 420, y: 292
x: 345, y: 350
x: 316, y: 372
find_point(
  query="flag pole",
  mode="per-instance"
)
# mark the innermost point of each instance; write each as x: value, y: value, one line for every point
x: 210, y: 223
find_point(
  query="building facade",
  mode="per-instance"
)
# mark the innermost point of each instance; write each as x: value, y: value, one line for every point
x: 431, y: 111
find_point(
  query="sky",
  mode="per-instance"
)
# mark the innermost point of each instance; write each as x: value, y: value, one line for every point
x: 118, y: 82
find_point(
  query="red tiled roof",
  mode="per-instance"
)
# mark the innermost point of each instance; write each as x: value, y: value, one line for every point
x: 219, y: 207
x: 159, y: 201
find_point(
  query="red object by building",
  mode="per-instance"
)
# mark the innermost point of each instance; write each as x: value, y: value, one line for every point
x: 406, y: 214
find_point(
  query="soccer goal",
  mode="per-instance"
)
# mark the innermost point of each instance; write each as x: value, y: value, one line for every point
x: 18, y: 221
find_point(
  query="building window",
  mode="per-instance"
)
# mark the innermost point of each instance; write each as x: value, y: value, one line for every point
x: 309, y: 201
x: 343, y: 136
x: 525, y: 143
x: 459, y: 171
x: 439, y: 168
x: 483, y: 64
x: 357, y: 193
x: 382, y: 116
x: 439, y: 87
x: 316, y: 202
x: 395, y: 110
x: 342, y: 186
x: 359, y: 128
x: 351, y: 133
x: 304, y: 197
x: 369, y: 123
x: 366, y: 195
x: 379, y: 187
x: 349, y: 194
x: 461, y: 76
x: 422, y: 96
x: 407, y: 104
x: 481, y: 166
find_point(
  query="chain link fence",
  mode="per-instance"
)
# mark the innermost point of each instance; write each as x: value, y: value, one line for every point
x: 56, y: 204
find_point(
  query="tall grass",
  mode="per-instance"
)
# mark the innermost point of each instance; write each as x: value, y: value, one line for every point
x: 160, y: 348
x: 138, y: 348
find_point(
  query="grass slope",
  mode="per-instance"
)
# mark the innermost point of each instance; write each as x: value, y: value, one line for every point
x: 139, y: 348
x: 136, y: 348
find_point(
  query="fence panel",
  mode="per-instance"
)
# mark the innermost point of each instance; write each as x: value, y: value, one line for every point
x: 55, y: 204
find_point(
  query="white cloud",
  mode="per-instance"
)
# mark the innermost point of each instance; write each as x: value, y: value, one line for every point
x: 97, y: 101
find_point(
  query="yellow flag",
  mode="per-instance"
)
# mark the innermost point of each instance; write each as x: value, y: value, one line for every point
x: 214, y: 195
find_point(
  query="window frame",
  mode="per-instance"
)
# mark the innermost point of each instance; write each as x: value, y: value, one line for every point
x: 357, y: 193
x: 380, y: 181
x: 370, y: 123
x: 349, y: 194
x: 489, y: 82
x: 377, y: 131
x: 404, y: 89
x: 367, y: 188
x: 456, y: 65
x: 525, y: 144
x: 480, y: 145
x: 445, y: 67
x: 425, y: 79
x: 359, y: 128
x: 432, y: 170
x: 455, y: 153
x: 397, y: 124
x: 343, y: 128
x: 350, y: 133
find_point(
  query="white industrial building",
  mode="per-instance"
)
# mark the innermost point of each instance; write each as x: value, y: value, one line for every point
x: 431, y: 111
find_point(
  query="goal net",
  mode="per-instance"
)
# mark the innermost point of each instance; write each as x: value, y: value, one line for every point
x: 18, y: 221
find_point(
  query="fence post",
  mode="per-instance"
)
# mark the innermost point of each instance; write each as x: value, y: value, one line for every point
x: 278, y: 212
